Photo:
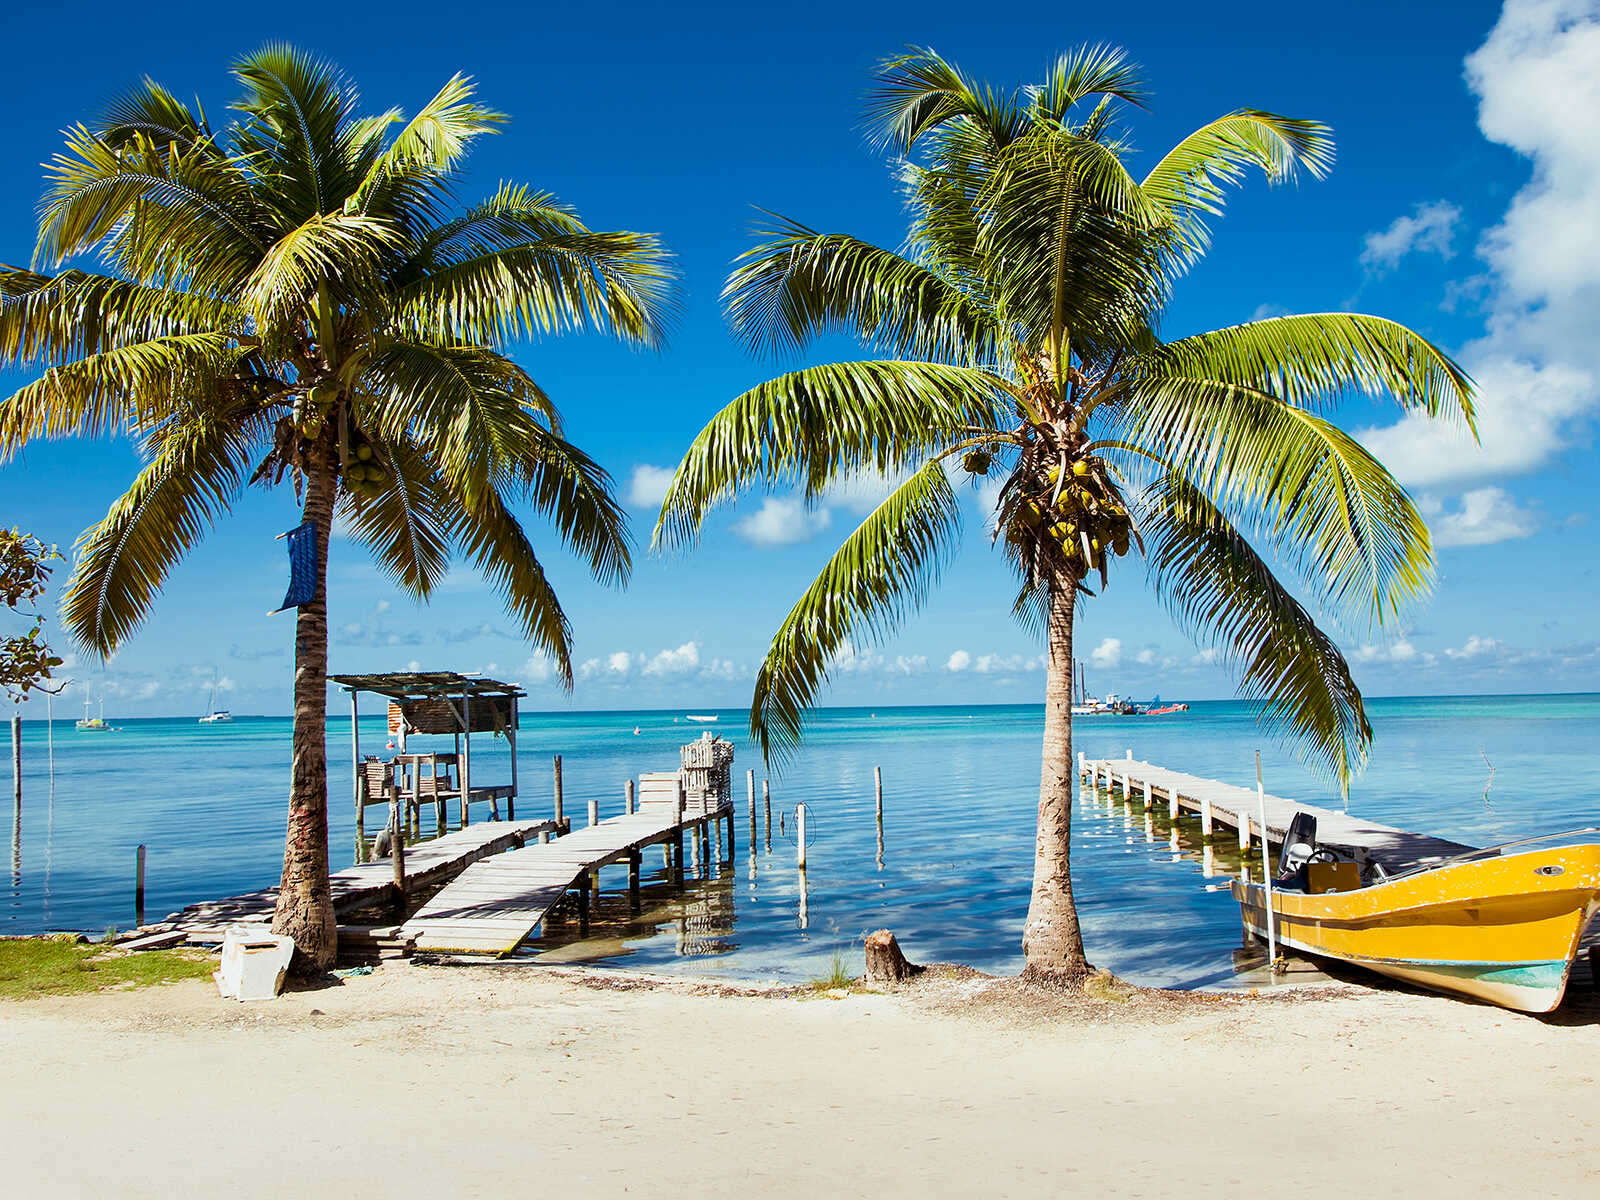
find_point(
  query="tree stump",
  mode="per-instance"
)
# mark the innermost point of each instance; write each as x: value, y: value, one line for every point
x: 885, y: 962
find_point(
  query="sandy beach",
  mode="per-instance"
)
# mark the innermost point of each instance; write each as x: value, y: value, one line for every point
x: 445, y: 1081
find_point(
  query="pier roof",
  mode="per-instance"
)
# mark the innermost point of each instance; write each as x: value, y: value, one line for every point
x: 425, y: 685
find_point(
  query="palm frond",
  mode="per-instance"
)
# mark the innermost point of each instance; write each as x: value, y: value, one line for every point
x: 430, y: 144
x: 515, y: 271
x: 299, y: 108
x: 1313, y: 359
x: 150, y: 112
x: 1102, y: 70
x: 920, y: 96
x: 491, y: 536
x: 1316, y: 493
x: 882, y: 572
x: 1225, y: 595
x: 344, y: 251
x: 1190, y: 179
x: 403, y: 526
x: 122, y: 562
x: 816, y: 424
x: 107, y: 392
x: 574, y: 492
x: 799, y: 284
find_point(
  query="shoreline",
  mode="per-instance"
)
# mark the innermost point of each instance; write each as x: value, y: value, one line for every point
x: 423, y: 1080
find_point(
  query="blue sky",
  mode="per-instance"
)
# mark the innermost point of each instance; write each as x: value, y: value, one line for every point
x: 1462, y: 203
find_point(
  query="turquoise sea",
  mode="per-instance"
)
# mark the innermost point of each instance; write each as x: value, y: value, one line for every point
x: 960, y: 792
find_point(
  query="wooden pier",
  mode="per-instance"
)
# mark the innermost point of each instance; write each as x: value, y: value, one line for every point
x: 1238, y: 809
x: 497, y: 904
x: 426, y: 865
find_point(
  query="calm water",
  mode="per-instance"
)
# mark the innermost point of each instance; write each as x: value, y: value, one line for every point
x: 960, y: 789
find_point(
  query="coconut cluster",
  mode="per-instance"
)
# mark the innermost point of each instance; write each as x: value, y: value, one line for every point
x: 1082, y: 515
x: 361, y: 468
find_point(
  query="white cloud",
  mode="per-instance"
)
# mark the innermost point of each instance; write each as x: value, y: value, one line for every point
x: 1430, y: 229
x: 674, y: 662
x: 1487, y: 515
x: 619, y: 662
x: 648, y: 486
x: 1401, y: 652
x: 958, y: 661
x: 1001, y: 664
x: 539, y: 668
x: 782, y: 521
x: 1475, y: 647
x: 1525, y: 415
x: 1537, y: 80
x: 1107, y: 654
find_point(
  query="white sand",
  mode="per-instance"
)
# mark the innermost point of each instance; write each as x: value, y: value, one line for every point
x: 439, y: 1082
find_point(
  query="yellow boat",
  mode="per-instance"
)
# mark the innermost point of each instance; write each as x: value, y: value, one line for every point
x: 1501, y: 925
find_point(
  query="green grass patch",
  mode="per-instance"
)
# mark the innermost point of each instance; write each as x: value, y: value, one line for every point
x: 36, y: 967
x: 838, y: 976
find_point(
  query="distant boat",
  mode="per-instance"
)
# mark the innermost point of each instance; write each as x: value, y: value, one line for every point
x: 702, y: 719
x: 215, y: 715
x: 93, y: 724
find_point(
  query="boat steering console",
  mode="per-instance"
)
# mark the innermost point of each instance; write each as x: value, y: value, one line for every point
x: 1300, y: 854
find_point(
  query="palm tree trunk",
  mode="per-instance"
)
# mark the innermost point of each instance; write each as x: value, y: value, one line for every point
x: 305, y: 900
x: 1051, y: 940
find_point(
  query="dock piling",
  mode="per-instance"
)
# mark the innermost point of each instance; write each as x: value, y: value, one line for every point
x: 594, y: 812
x: 766, y: 803
x: 138, y: 886
x: 635, y: 860
x: 1205, y: 817
x: 800, y: 831
x: 877, y: 786
x: 628, y: 798
x: 559, y: 817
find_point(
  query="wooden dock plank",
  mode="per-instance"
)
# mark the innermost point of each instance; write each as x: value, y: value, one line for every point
x: 496, y: 904
x: 1395, y: 849
x: 427, y: 863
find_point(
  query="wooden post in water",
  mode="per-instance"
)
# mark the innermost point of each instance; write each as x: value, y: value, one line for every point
x: 1205, y: 817
x: 1172, y: 804
x: 635, y: 859
x: 1147, y: 800
x: 877, y: 786
x: 16, y: 761
x: 138, y: 886
x: 677, y: 838
x: 800, y: 831
x: 750, y: 790
x: 627, y: 798
x: 766, y: 803
x: 594, y: 812
x: 1244, y: 832
x: 1083, y: 768
x: 559, y: 817
x: 397, y: 850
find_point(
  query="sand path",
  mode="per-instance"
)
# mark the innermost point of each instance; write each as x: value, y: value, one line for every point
x: 439, y: 1082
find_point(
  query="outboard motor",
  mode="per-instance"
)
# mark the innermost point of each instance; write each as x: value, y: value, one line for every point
x: 1299, y: 844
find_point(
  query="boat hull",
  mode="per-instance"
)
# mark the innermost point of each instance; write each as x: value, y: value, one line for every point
x: 1504, y: 929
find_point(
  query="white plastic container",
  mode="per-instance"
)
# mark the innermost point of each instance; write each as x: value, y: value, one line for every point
x: 253, y: 964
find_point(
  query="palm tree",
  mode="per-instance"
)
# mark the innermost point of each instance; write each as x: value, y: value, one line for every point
x: 1018, y: 336
x: 292, y: 296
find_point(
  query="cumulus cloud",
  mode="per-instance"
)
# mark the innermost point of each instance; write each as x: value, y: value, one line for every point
x: 782, y: 521
x: 1430, y: 229
x: 1474, y: 647
x: 539, y: 668
x: 1107, y: 654
x: 1525, y: 415
x: 674, y: 662
x: 1005, y: 664
x: 1486, y: 515
x: 1537, y: 80
x: 647, y: 488
x: 619, y: 662
x: 960, y: 660
x: 1400, y: 652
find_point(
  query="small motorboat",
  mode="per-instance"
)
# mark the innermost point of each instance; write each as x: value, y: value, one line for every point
x: 704, y: 720
x: 1501, y: 925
